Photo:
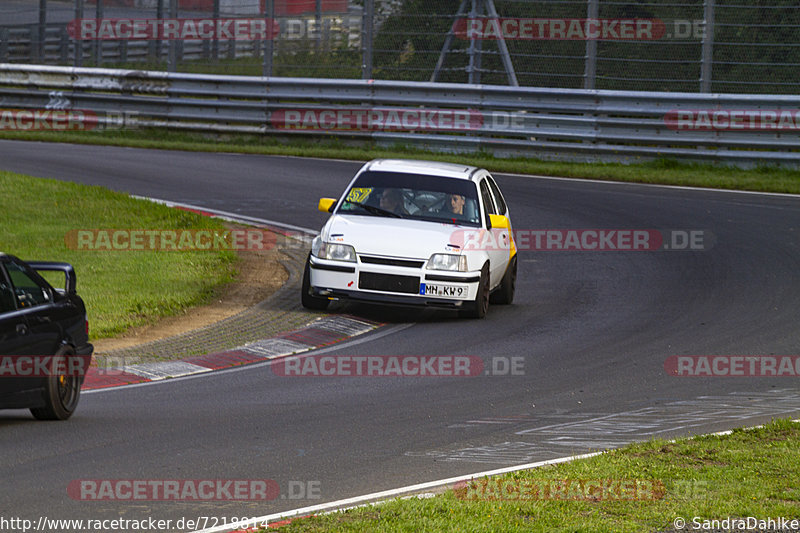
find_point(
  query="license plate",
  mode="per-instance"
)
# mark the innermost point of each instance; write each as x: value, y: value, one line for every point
x: 433, y: 289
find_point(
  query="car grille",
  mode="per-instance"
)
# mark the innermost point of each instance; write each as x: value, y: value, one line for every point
x: 394, y: 262
x: 388, y: 282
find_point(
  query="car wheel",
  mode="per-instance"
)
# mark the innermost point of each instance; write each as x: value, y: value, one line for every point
x: 504, y: 294
x: 308, y: 300
x: 62, y: 391
x: 480, y: 305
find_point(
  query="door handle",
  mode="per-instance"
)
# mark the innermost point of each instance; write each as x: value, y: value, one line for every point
x: 22, y: 329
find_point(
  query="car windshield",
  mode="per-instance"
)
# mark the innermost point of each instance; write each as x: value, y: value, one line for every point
x: 413, y: 196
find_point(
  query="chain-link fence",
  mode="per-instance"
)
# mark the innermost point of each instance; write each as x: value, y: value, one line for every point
x: 744, y: 46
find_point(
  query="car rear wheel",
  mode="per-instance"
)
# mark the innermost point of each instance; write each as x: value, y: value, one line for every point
x: 308, y: 300
x: 504, y: 294
x: 480, y: 305
x: 62, y: 390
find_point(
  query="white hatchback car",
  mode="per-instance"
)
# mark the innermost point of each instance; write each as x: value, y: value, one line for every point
x: 414, y: 233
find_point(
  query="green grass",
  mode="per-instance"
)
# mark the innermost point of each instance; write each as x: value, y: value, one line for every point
x: 121, y: 289
x: 751, y: 472
x: 665, y: 171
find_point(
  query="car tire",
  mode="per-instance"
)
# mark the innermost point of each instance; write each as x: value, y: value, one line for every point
x: 504, y: 294
x: 62, y: 391
x: 478, y: 307
x: 308, y: 300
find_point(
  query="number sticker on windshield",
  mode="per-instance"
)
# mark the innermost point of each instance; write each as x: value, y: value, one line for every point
x: 358, y: 194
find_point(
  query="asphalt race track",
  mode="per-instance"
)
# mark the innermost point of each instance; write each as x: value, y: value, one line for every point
x: 593, y: 329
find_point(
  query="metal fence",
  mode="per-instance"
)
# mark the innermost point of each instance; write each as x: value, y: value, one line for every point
x: 575, y: 124
x: 719, y: 46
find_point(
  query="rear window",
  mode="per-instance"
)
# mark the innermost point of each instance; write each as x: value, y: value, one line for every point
x: 498, y: 196
x: 28, y: 293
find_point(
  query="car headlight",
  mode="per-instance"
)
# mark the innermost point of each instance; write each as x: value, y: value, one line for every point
x: 335, y: 252
x: 452, y: 262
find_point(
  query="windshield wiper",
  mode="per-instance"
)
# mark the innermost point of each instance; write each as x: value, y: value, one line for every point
x: 377, y: 210
x: 447, y: 220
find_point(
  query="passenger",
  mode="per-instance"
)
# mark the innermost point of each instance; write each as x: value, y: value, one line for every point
x: 455, y: 204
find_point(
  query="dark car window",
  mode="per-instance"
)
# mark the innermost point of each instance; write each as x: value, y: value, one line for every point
x: 486, y: 196
x: 28, y: 292
x: 6, y: 296
x: 498, y: 196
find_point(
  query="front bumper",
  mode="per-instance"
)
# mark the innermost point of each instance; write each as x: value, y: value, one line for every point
x: 393, y: 284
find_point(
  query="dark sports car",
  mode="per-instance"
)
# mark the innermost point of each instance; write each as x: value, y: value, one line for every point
x: 44, y: 339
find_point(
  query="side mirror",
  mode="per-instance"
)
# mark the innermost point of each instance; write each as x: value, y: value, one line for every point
x: 498, y: 221
x: 326, y: 204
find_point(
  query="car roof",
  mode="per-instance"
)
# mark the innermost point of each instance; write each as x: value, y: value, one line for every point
x: 431, y: 168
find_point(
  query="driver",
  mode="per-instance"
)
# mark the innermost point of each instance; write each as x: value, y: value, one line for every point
x: 392, y: 200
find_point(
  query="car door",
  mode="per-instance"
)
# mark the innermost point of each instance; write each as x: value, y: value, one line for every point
x: 502, y: 209
x: 14, y: 340
x: 34, y: 299
x: 497, y: 249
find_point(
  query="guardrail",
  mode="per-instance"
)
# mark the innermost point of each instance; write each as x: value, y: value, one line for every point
x: 571, y: 124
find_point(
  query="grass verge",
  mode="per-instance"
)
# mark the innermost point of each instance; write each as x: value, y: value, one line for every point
x: 748, y: 473
x: 121, y: 288
x: 665, y: 171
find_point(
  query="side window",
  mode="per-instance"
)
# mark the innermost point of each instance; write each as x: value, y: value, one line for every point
x: 28, y: 292
x: 498, y: 197
x: 486, y: 196
x: 6, y: 294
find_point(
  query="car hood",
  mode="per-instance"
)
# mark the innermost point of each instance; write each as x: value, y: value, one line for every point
x: 392, y: 237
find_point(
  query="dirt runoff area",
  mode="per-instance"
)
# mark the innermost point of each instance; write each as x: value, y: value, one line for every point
x: 260, y: 275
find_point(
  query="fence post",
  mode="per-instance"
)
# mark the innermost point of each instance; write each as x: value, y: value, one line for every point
x: 64, y: 46
x: 474, y: 50
x: 42, y: 32
x: 155, y: 44
x: 269, y: 16
x: 318, y: 23
x: 98, y: 44
x: 708, y: 46
x: 3, y: 44
x: 77, y: 37
x: 172, y: 58
x: 215, y: 41
x: 366, y: 44
x: 590, y: 71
